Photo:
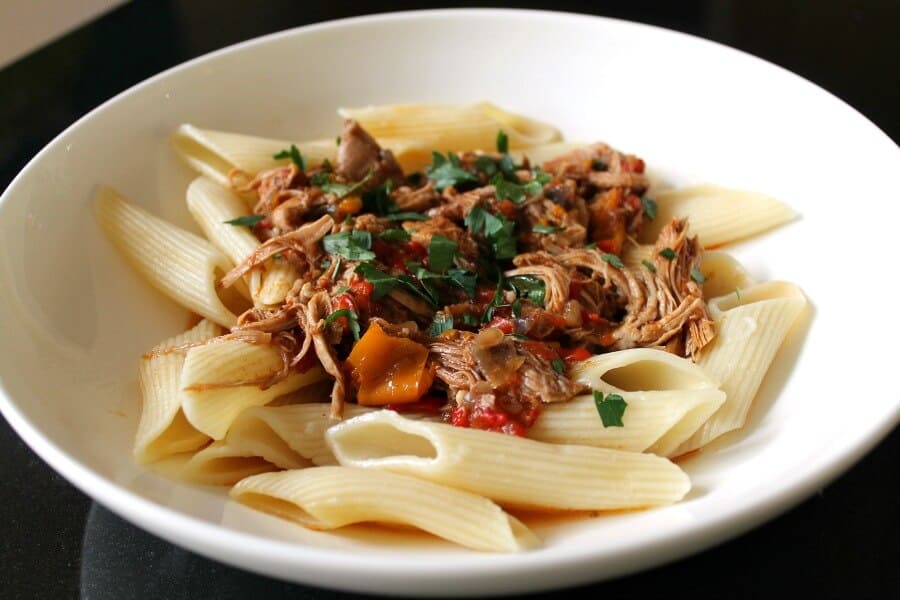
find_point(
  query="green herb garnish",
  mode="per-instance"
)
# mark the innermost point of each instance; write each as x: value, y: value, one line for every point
x: 395, y: 235
x: 529, y: 287
x: 447, y: 171
x: 650, y: 266
x: 649, y: 206
x: 667, y: 253
x: 382, y: 283
x: 502, y: 142
x: 406, y: 216
x: 611, y: 408
x: 497, y: 229
x: 245, y: 221
x: 558, y: 365
x: 613, y: 260
x: 441, y: 251
x: 351, y: 317
x: 341, y: 190
x: 548, y: 229
x: 697, y: 276
x: 464, y: 279
x: 294, y: 154
x: 442, y: 322
x: 352, y: 245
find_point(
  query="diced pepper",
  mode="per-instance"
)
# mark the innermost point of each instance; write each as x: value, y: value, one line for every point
x: 349, y: 206
x: 389, y: 370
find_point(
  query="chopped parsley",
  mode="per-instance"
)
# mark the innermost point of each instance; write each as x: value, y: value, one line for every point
x: 613, y: 260
x: 352, y: 319
x: 441, y: 251
x: 352, y: 245
x: 337, y: 141
x: 558, y: 365
x: 294, y: 154
x: 395, y: 235
x: 529, y: 287
x: 591, y: 246
x: 512, y: 190
x: 502, y: 142
x: 650, y: 266
x: 337, y: 268
x: 442, y: 322
x: 406, y: 216
x: 516, y: 308
x: 379, y: 201
x: 464, y: 279
x: 447, y: 171
x: 697, y: 276
x: 382, y: 283
x: 245, y: 221
x: 667, y: 253
x: 611, y: 408
x: 497, y: 229
x: 341, y: 190
x: 649, y: 206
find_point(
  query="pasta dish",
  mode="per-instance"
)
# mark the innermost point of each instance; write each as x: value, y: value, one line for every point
x: 444, y: 313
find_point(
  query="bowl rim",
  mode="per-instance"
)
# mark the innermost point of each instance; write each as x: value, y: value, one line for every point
x: 492, y: 573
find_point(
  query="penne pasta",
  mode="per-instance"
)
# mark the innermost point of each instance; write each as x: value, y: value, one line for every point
x: 444, y: 127
x: 719, y: 215
x: 249, y: 447
x: 221, y: 380
x: 751, y: 326
x: 519, y: 473
x: 163, y: 429
x: 331, y: 497
x: 668, y: 398
x: 178, y: 263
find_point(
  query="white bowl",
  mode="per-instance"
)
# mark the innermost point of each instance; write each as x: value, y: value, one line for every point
x: 74, y: 317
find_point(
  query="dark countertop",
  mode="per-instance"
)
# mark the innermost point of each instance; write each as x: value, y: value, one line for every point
x: 57, y: 543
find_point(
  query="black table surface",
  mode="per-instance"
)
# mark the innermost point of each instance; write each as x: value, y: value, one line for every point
x: 56, y: 543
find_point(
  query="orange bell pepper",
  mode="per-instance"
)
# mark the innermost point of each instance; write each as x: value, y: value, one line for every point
x: 389, y: 370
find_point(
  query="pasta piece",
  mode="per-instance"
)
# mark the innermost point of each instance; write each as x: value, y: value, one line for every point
x: 331, y: 497
x: 212, y: 402
x: 723, y: 273
x: 249, y: 447
x: 163, y: 430
x: 718, y: 215
x: 751, y: 325
x: 176, y: 262
x: 513, y: 471
x: 668, y: 398
x: 215, y: 153
x: 537, y: 155
x: 277, y: 281
x: 455, y: 128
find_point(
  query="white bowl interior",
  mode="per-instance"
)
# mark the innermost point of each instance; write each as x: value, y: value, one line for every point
x: 75, y: 318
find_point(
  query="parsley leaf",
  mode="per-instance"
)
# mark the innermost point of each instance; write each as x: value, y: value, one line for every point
x: 697, y: 276
x: 469, y: 320
x: 447, y: 172
x: 497, y: 229
x: 611, y: 409
x: 353, y: 245
x: 649, y: 206
x: 406, y: 216
x: 667, y: 253
x: 548, y: 229
x: 613, y: 260
x: 442, y: 322
x: 516, y: 308
x: 464, y: 279
x: 539, y: 179
x: 340, y: 190
x: 558, y: 365
x: 529, y: 287
x: 486, y: 165
x: 441, y: 251
x: 650, y: 266
x: 382, y: 283
x: 351, y: 316
x: 591, y: 246
x: 508, y: 168
x: 502, y: 142
x: 395, y: 235
x: 294, y: 154
x: 506, y: 190
x: 245, y: 221
x: 379, y: 201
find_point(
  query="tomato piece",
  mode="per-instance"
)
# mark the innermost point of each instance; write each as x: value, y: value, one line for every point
x: 503, y: 324
x: 574, y: 354
x: 362, y: 293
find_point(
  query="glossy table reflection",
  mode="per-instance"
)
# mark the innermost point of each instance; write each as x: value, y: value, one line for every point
x: 56, y: 543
